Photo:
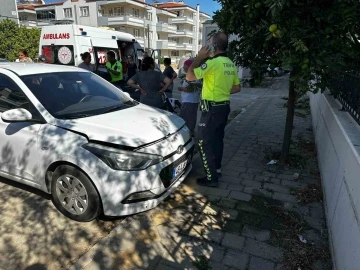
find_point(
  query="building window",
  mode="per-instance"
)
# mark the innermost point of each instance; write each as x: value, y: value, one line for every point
x: 136, y: 12
x: 120, y: 11
x: 136, y: 32
x: 84, y: 11
x: 23, y: 18
x: 149, y: 16
x: 190, y: 41
x: 175, y: 53
x: 45, y: 15
x: 67, y: 12
x: 111, y: 12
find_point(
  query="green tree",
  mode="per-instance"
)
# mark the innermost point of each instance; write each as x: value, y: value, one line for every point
x: 13, y: 38
x: 306, y: 37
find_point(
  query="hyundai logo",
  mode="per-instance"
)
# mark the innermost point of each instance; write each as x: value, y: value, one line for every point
x: 180, y: 149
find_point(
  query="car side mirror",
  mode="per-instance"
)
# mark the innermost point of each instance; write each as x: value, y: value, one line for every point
x: 16, y: 115
x: 127, y: 94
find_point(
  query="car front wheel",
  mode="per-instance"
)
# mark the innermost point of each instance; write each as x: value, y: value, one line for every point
x: 74, y: 194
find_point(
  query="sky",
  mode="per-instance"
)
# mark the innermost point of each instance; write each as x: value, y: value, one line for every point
x: 207, y: 6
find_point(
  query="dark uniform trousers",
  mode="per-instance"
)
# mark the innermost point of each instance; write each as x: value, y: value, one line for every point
x: 211, y: 131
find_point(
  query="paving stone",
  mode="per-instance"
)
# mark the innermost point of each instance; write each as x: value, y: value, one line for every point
x: 294, y: 184
x: 251, y: 183
x: 231, y: 179
x: 260, y: 264
x: 236, y: 187
x: 247, y: 176
x: 286, y: 177
x: 228, y: 203
x: 214, y: 191
x: 256, y: 233
x: 233, y: 241
x: 209, y: 210
x: 230, y: 173
x: 218, y: 266
x: 258, y: 192
x: 204, y: 233
x: 316, y: 204
x: 270, y: 174
x: 263, y: 250
x: 232, y: 227
x: 301, y: 209
x: 277, y: 188
x: 240, y: 196
x: 236, y: 260
x: 284, y: 197
x: 315, y: 223
x: 243, y: 206
x: 253, y: 171
x: 217, y: 254
x: 230, y: 214
x: 238, y: 169
x: 317, y: 212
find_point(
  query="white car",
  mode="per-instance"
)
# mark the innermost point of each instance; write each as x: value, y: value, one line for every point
x: 72, y: 134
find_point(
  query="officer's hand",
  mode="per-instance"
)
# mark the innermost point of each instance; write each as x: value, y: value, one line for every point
x: 204, y: 52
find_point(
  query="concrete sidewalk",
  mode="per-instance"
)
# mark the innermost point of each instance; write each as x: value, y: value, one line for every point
x: 252, y: 221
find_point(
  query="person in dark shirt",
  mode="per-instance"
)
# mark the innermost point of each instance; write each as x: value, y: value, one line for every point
x: 170, y: 73
x: 152, y: 84
x: 131, y: 67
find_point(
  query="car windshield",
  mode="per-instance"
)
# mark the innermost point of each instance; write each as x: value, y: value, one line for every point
x: 71, y: 95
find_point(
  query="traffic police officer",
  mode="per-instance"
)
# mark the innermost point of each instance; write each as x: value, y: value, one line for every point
x: 220, y: 79
x: 114, y: 68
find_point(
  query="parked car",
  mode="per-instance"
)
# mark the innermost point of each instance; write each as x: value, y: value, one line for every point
x: 72, y: 134
x: 3, y: 60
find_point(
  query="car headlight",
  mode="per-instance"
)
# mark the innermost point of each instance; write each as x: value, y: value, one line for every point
x: 121, y: 159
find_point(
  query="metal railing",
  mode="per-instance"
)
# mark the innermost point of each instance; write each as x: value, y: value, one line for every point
x: 345, y: 87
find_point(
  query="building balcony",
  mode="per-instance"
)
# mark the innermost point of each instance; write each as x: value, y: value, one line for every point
x: 121, y: 19
x: 165, y: 27
x: 28, y: 24
x: 165, y: 12
x: 182, y: 33
x: 165, y: 44
x: 184, y: 47
x: 182, y: 20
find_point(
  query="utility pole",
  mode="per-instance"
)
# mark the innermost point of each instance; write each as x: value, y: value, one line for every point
x: 148, y: 38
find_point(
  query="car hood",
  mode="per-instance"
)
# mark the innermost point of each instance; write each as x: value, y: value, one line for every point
x: 132, y: 127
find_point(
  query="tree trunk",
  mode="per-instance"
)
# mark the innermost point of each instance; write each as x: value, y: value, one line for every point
x: 289, y: 122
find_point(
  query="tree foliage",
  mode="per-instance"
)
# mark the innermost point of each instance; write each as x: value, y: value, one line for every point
x: 13, y: 38
x: 305, y: 36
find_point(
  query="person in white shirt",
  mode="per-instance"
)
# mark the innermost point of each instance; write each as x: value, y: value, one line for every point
x: 23, y: 57
x: 86, y: 64
x: 190, y: 98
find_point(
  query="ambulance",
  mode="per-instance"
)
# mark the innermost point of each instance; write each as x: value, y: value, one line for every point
x: 62, y: 44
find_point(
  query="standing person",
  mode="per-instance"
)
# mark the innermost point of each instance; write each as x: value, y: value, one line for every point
x: 220, y: 79
x: 190, y: 98
x: 131, y: 67
x: 171, y: 74
x: 149, y: 81
x: 23, y: 56
x: 86, y: 64
x: 114, y: 68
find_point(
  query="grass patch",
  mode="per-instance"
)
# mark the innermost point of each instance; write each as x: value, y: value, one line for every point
x: 310, y: 194
x: 286, y: 227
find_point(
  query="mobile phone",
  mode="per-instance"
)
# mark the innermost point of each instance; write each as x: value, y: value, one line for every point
x: 212, y: 48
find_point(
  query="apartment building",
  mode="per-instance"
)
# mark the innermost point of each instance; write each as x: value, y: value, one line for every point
x: 8, y: 10
x: 173, y: 29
